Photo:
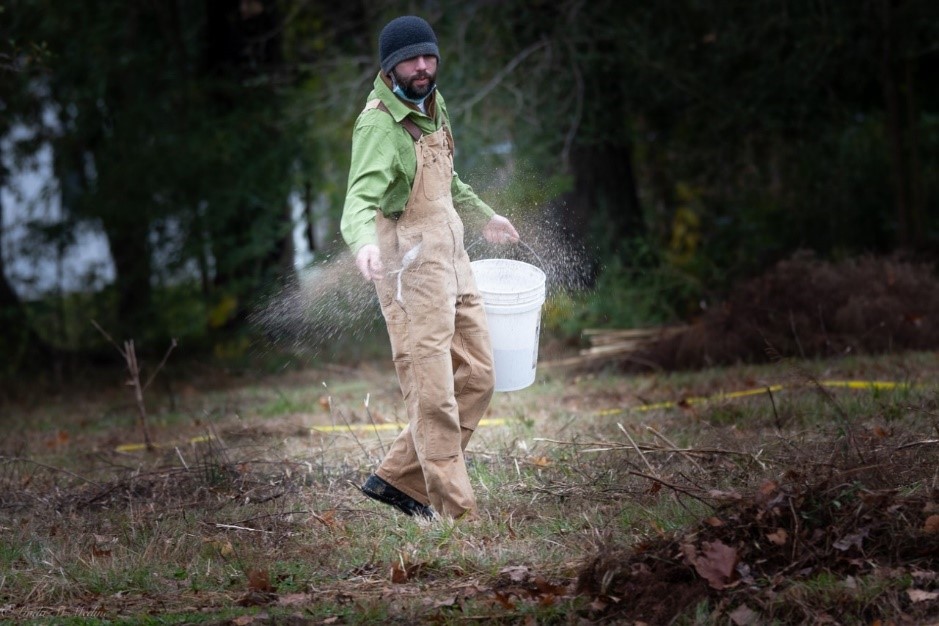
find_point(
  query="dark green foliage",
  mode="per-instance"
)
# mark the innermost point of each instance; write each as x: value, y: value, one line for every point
x: 721, y: 135
x: 168, y: 130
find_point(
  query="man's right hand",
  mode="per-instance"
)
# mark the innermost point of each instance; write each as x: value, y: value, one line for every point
x: 368, y: 260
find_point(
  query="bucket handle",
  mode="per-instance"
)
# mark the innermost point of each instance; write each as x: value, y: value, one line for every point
x: 519, y: 242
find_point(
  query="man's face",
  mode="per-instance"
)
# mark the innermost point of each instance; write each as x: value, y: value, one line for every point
x: 416, y: 76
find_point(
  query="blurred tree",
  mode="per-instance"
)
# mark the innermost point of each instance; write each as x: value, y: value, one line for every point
x: 167, y: 130
x: 20, y: 60
x: 722, y: 135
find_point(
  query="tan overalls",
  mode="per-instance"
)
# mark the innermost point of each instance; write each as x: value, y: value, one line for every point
x: 439, y: 336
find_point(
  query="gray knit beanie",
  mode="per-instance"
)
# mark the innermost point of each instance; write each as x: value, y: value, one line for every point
x: 404, y: 38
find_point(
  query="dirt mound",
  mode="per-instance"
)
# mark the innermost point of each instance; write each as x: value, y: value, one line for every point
x: 805, y: 307
x: 792, y: 551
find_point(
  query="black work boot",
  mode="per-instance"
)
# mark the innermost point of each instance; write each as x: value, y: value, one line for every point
x: 377, y: 489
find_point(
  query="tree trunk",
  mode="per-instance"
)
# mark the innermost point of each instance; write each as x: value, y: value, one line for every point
x: 901, y: 128
x: 130, y: 251
x: 244, y: 39
x: 917, y: 190
x: 605, y: 200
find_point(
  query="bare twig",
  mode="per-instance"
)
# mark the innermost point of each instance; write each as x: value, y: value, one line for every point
x: 374, y: 426
x: 180, y: 455
x: 107, y: 336
x: 641, y: 455
x: 772, y: 400
x: 670, y: 486
x: 675, y: 448
x: 795, y: 334
x: 233, y: 527
x: 162, y: 363
x: 133, y: 368
x: 914, y: 444
x: 130, y: 355
x: 329, y: 400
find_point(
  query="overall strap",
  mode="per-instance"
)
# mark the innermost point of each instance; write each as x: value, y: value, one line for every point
x: 407, y: 122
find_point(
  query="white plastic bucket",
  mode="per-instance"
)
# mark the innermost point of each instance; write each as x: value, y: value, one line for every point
x: 512, y: 293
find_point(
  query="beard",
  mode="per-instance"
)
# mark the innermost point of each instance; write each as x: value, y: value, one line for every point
x: 407, y: 84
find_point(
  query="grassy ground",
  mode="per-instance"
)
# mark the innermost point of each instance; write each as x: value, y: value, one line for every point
x: 654, y: 499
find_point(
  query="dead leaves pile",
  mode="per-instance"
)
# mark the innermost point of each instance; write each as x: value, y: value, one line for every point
x: 757, y: 548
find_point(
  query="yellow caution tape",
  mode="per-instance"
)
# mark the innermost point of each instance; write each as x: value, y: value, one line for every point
x: 865, y: 384
x: 845, y: 384
x: 137, y: 447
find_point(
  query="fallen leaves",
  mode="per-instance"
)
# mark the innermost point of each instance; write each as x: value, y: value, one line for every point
x: 744, y: 616
x: 852, y: 540
x: 725, y: 496
x: 223, y: 546
x: 60, y: 439
x: 402, y: 571
x: 520, y: 583
x: 715, y: 562
x: 918, y: 595
x: 293, y: 599
x: 931, y: 526
x: 259, y: 579
x: 515, y: 573
x: 102, y: 545
x: 775, y: 544
x: 328, y: 519
x: 260, y: 590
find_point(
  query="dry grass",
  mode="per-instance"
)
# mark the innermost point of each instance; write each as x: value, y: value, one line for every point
x: 595, y: 509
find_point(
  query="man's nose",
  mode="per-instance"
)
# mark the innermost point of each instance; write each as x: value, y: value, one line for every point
x: 421, y: 63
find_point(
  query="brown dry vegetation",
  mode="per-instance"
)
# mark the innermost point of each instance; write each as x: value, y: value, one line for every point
x: 805, y: 307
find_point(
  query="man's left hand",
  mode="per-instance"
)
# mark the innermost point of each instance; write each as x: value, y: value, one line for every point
x: 500, y: 230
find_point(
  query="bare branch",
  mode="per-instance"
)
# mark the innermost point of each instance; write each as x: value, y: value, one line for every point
x: 498, y: 78
x: 130, y: 355
x: 108, y: 337
x: 641, y: 455
x: 162, y: 363
x: 670, y: 486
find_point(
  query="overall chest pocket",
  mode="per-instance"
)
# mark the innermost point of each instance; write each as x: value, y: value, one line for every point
x: 438, y: 166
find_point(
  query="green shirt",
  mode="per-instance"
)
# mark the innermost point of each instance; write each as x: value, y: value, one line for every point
x: 383, y: 165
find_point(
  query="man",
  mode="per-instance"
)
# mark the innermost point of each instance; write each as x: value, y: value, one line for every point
x: 400, y: 221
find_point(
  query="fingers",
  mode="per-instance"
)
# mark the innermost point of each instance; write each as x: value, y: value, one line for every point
x: 376, y: 269
x: 500, y: 230
x: 362, y: 264
x: 368, y: 260
x: 510, y: 234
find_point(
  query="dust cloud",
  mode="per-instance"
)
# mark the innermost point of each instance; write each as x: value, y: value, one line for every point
x: 329, y: 302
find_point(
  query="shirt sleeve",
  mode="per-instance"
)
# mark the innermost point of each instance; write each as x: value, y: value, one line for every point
x: 370, y: 174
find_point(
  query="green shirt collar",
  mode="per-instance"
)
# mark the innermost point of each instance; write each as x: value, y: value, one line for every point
x: 398, y: 109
